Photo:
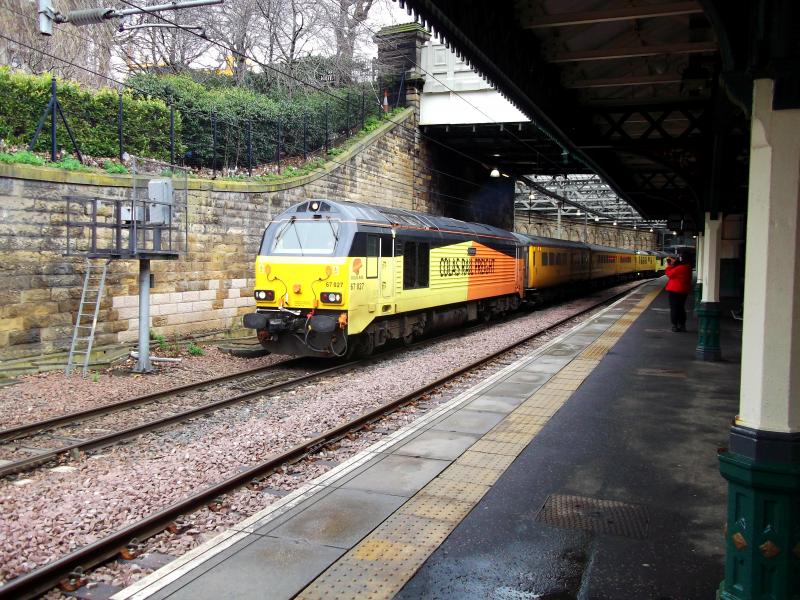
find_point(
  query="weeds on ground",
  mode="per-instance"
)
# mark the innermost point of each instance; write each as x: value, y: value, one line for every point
x: 159, y: 339
x: 68, y: 163
x: 114, y: 168
x: 23, y: 157
x: 194, y: 350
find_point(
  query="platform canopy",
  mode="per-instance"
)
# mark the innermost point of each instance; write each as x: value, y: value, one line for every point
x: 653, y: 95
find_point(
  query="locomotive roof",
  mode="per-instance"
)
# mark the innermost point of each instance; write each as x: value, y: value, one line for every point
x: 368, y: 213
x: 598, y: 248
x: 553, y: 242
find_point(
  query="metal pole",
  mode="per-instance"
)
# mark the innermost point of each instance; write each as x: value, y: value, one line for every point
x: 278, y: 143
x: 214, y: 144
x: 585, y: 227
x: 347, y: 115
x: 171, y: 134
x: 143, y: 362
x: 559, y: 219
x: 249, y: 147
x: 363, y: 108
x: 160, y: 7
x: 120, y: 127
x: 53, y: 114
x: 305, y: 136
x: 327, y: 109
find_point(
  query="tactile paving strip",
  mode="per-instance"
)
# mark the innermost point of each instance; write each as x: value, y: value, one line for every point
x: 594, y: 514
x: 381, y: 564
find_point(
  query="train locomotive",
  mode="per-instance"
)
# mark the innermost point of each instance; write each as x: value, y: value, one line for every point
x: 339, y: 278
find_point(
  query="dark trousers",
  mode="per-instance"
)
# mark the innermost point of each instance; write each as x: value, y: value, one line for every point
x: 677, y: 309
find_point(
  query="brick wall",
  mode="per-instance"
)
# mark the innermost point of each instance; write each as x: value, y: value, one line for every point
x: 205, y: 291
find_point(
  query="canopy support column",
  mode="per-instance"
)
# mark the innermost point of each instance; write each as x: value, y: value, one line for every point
x: 762, y: 465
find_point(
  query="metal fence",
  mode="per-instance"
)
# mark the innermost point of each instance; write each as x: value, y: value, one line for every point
x: 228, y: 147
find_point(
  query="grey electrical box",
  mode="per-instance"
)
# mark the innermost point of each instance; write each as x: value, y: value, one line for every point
x: 125, y: 215
x: 159, y: 197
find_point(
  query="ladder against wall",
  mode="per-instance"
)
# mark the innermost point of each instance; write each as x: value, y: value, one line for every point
x: 145, y: 223
x: 94, y: 281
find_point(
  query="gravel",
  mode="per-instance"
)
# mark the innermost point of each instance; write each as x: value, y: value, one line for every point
x: 45, y: 395
x: 46, y: 513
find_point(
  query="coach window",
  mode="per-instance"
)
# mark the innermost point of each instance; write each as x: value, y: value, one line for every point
x: 423, y: 264
x: 416, y: 265
x: 373, y: 252
x: 544, y: 259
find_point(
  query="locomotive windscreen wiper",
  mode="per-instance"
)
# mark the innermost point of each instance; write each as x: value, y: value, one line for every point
x: 333, y: 229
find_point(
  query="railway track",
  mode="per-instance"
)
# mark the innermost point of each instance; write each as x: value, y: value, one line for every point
x: 46, y: 577
x: 256, y: 382
x: 24, y: 438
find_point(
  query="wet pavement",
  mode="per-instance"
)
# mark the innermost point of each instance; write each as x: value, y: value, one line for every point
x: 643, y: 431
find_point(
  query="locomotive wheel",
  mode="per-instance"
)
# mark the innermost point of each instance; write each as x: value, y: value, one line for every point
x: 407, y: 340
x: 359, y: 346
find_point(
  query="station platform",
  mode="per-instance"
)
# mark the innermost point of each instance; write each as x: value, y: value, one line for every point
x: 587, y: 469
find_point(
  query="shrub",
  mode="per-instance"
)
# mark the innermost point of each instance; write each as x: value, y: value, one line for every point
x: 92, y: 116
x: 235, y: 106
x: 194, y: 350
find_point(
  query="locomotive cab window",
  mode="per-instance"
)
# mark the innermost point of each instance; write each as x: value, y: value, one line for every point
x: 301, y: 237
x: 416, y: 265
x: 373, y: 254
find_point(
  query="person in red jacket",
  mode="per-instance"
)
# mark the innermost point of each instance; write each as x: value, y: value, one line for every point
x: 679, y: 274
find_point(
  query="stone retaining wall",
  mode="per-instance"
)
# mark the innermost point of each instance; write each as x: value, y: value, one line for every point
x: 205, y: 291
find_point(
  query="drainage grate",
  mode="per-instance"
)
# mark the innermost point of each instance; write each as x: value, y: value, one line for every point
x: 594, y: 514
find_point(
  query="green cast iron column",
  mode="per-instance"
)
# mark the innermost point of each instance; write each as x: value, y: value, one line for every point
x: 708, y: 347
x: 762, y: 537
x: 698, y: 295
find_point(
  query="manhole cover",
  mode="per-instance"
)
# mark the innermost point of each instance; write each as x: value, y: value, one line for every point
x: 594, y: 514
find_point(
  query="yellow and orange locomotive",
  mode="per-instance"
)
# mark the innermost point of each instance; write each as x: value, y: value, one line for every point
x: 334, y: 277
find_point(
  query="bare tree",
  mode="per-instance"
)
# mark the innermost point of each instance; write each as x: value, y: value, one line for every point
x: 161, y: 45
x: 238, y: 24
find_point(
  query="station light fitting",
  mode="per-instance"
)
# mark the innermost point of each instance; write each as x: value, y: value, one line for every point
x: 494, y: 172
x: 651, y: 230
x: 674, y: 233
x: 596, y: 219
x: 615, y: 222
x: 531, y: 196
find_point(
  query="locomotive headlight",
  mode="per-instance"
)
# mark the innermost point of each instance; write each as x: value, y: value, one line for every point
x: 268, y: 295
x: 330, y: 297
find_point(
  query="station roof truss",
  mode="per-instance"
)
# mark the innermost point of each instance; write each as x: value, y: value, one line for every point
x: 578, y: 197
x: 652, y: 95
